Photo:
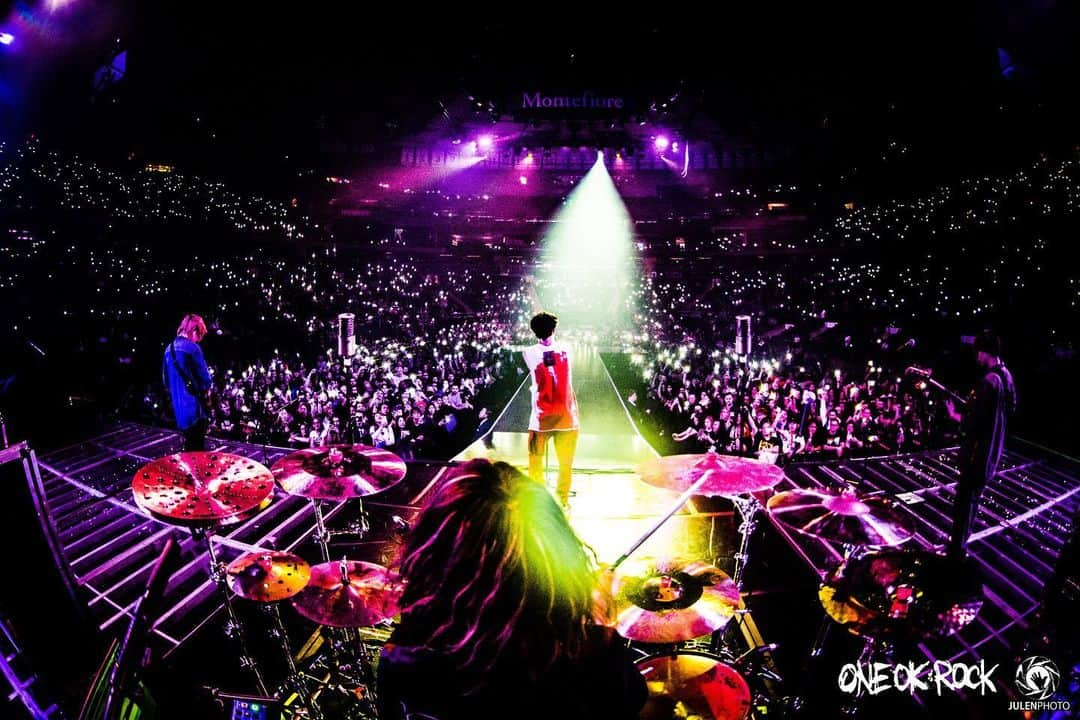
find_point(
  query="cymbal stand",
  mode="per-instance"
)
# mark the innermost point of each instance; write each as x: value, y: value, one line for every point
x: 295, y: 681
x: 748, y: 508
x: 234, y: 629
x: 322, y: 535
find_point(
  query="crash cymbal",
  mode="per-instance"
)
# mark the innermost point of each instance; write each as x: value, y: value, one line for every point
x: 268, y: 576
x: 892, y: 592
x: 349, y: 593
x: 843, y: 517
x: 688, y: 684
x: 202, y: 487
x: 672, y: 600
x: 338, y: 472
x: 728, y: 475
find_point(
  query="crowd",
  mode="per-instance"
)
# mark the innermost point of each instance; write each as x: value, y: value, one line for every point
x: 433, y: 331
x: 781, y: 411
x: 422, y: 398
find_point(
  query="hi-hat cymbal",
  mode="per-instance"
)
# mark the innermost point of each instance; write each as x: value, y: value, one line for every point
x: 268, y: 576
x: 843, y: 517
x: 338, y: 472
x: 727, y: 475
x: 672, y: 600
x: 202, y: 487
x: 894, y: 592
x: 349, y: 593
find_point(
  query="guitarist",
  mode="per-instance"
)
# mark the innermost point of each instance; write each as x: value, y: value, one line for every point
x: 188, y: 381
x: 983, y: 423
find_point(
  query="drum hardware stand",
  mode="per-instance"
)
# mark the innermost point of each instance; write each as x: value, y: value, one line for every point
x: 234, y: 629
x: 748, y: 508
x: 295, y: 680
x: 321, y: 535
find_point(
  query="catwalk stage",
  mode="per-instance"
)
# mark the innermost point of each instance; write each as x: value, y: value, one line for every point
x: 105, y: 546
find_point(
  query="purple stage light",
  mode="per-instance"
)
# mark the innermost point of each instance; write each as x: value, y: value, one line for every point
x: 661, y: 143
x: 485, y: 142
x: 528, y: 159
x: 6, y: 38
x: 523, y: 180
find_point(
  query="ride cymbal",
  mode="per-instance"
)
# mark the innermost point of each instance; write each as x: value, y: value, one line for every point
x: 349, y: 593
x: 843, y: 517
x: 338, y: 472
x: 727, y: 475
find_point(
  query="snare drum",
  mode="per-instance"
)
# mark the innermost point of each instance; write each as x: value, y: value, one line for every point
x: 689, y: 684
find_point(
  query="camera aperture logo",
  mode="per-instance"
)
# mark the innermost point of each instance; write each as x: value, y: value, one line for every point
x: 1037, y: 679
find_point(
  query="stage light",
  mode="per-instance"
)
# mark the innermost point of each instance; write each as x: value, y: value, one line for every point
x: 589, y: 252
x: 6, y: 38
x: 661, y: 143
x: 523, y: 180
x: 485, y: 142
x: 674, y: 147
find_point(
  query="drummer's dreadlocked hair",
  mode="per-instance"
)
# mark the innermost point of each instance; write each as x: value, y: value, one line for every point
x: 493, y: 570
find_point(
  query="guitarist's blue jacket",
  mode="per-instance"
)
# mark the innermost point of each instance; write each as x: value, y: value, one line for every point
x: 187, y: 379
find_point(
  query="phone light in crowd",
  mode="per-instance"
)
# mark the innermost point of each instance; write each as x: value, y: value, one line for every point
x: 6, y: 38
x: 661, y: 143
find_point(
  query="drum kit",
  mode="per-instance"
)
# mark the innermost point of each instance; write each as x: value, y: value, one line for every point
x: 663, y: 605
x: 205, y: 491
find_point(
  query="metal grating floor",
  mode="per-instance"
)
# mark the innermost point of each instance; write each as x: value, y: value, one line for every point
x: 110, y: 546
x: 1022, y: 524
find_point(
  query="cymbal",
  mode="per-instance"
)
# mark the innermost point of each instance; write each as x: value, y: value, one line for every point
x: 349, y: 593
x: 672, y: 600
x: 338, y: 472
x: 268, y: 576
x: 902, y: 592
x: 728, y: 475
x: 695, y: 685
x: 202, y: 487
x: 843, y: 517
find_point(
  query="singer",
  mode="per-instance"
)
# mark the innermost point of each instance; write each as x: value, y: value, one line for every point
x: 983, y: 425
x: 554, y: 405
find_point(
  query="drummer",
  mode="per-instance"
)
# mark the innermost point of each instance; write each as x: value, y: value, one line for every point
x: 498, y: 612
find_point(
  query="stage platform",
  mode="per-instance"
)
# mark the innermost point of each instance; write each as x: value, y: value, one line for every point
x: 107, y: 545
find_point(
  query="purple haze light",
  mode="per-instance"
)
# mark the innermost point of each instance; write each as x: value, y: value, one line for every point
x: 661, y: 143
x: 485, y: 141
x: 6, y: 38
